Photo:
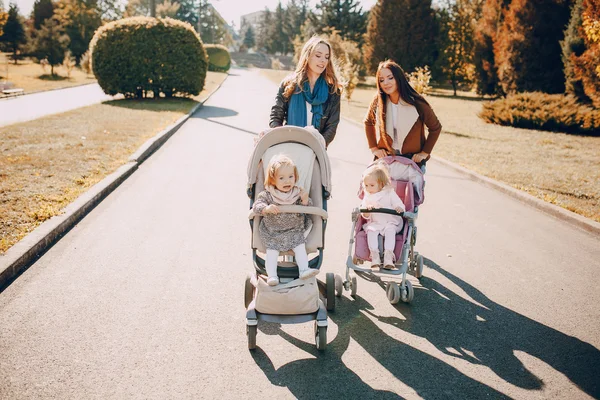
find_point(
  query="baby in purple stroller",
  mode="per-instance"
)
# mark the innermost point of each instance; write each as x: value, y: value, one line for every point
x: 397, y: 205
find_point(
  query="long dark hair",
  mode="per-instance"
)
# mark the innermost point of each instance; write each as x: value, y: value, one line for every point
x: 407, y: 93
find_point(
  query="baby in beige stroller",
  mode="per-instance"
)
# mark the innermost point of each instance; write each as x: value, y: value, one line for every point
x: 283, y: 288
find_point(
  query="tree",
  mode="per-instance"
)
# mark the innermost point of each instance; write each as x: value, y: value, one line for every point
x: 486, y: 31
x: 3, y: 18
x: 280, y: 41
x: 573, y: 44
x: 527, y: 48
x: 249, y: 41
x: 345, y: 16
x: 42, y: 10
x: 52, y: 42
x: 212, y: 28
x: 188, y: 12
x: 456, y: 47
x: 167, y: 9
x: 80, y: 19
x: 264, y: 39
x: 13, y: 31
x: 401, y: 30
x: 587, y: 65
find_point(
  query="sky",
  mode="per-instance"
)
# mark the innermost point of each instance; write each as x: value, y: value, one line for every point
x: 230, y: 10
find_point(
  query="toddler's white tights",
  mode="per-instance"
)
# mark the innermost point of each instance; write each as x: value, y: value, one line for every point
x: 389, y: 239
x: 299, y: 253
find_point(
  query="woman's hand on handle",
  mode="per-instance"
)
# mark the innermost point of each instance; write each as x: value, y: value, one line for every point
x: 417, y: 158
x: 378, y: 153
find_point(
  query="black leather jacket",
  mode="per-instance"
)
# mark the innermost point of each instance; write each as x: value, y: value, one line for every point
x: 329, y: 121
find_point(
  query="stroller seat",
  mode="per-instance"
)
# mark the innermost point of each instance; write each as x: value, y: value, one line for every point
x: 405, y: 192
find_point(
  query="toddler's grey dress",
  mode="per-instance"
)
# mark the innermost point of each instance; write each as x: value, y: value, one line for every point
x: 283, y: 231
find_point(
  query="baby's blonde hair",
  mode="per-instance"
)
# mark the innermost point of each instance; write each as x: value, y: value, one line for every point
x: 277, y: 162
x: 380, y: 173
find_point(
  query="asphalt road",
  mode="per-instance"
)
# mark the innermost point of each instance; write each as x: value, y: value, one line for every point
x: 143, y: 299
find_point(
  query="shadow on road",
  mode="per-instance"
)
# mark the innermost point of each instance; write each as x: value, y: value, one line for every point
x: 206, y: 112
x: 326, y: 376
x: 489, y: 334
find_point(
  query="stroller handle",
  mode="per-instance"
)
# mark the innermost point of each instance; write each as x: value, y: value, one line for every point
x: 381, y: 211
x: 405, y: 214
x: 296, y: 209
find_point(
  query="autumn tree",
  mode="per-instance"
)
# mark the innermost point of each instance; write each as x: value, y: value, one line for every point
x: 527, y: 49
x: 457, y: 45
x: 587, y: 65
x: 401, y: 30
x: 573, y: 46
x: 485, y: 33
x: 79, y: 19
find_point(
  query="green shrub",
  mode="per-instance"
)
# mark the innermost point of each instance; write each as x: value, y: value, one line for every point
x: 138, y: 55
x: 219, y: 59
x: 550, y: 112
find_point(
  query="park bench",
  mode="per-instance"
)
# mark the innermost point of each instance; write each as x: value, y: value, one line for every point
x: 12, y: 92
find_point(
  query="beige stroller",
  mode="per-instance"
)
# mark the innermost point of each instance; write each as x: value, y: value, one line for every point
x: 294, y: 300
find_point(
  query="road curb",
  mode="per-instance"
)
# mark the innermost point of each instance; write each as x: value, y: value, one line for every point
x: 554, y: 210
x: 24, y: 253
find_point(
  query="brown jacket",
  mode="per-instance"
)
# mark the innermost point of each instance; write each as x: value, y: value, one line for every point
x: 415, y: 141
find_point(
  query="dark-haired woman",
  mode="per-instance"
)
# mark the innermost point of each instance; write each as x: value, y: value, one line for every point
x: 400, y: 115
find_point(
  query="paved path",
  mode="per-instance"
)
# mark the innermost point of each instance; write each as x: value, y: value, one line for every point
x: 143, y: 299
x: 36, y: 105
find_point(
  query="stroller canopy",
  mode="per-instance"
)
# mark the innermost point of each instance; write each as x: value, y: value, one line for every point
x: 290, y: 134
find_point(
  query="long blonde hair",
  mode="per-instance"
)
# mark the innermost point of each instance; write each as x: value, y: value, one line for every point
x: 294, y: 81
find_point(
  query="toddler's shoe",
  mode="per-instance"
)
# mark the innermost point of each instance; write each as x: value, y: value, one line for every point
x: 388, y: 259
x: 375, y: 259
x: 308, y: 273
x: 273, y: 281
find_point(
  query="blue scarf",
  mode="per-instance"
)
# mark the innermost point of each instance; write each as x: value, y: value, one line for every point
x: 297, y: 109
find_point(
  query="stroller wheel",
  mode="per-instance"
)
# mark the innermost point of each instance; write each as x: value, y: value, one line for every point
x: 251, y: 332
x: 320, y: 337
x: 248, y: 291
x: 330, y: 291
x: 393, y: 292
x: 353, y: 286
x: 419, y: 266
x: 407, y: 293
x: 339, y: 285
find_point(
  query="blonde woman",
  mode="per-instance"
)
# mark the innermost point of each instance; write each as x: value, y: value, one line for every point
x: 311, y: 95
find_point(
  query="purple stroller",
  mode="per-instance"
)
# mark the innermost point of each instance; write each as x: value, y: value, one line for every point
x: 407, y: 178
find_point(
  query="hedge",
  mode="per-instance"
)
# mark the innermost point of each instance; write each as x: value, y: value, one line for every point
x: 550, y: 112
x: 219, y: 59
x: 138, y: 55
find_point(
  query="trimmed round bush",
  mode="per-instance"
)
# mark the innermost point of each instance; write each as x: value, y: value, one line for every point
x: 135, y: 56
x: 548, y: 112
x: 219, y: 59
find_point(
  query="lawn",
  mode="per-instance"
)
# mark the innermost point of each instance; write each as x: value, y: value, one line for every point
x: 47, y: 163
x: 31, y: 77
x: 559, y: 168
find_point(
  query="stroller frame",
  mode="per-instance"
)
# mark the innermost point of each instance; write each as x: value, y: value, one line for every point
x: 410, y: 261
x: 287, y: 269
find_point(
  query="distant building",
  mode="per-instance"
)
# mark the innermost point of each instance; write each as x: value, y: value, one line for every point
x: 252, y: 19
